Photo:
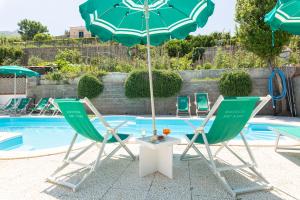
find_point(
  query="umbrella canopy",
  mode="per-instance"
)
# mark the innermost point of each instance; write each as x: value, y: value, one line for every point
x: 150, y: 22
x: 124, y: 20
x: 285, y: 16
x: 18, y: 71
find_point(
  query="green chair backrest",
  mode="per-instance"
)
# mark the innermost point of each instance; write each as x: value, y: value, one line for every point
x: 43, y: 102
x: 23, y: 103
x: 183, y: 103
x: 75, y: 114
x: 232, y: 116
x: 11, y: 103
x: 202, y: 101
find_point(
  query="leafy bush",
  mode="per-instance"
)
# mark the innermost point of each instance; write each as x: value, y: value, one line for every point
x: 205, y: 66
x: 35, y: 61
x: 180, y: 63
x: 178, y: 48
x: 67, y: 55
x: 42, y: 37
x: 236, y: 83
x: 9, y: 55
x: 165, y: 83
x: 223, y: 59
x: 55, y: 76
x: 89, y: 86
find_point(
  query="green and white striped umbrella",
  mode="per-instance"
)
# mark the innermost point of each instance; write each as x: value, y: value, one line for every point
x: 150, y: 22
x: 285, y: 16
x: 124, y: 20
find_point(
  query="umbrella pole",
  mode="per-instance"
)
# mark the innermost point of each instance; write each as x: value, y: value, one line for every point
x: 150, y: 69
x: 15, y: 91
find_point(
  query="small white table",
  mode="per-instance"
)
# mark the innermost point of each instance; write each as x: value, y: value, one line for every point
x: 156, y: 156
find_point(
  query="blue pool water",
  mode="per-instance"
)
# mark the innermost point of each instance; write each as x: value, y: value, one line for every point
x: 45, y: 133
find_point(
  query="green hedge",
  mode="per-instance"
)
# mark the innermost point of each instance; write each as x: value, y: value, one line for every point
x: 89, y: 86
x: 236, y: 83
x: 165, y: 84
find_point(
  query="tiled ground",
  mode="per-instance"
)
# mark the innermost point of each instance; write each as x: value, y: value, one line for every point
x: 118, y: 179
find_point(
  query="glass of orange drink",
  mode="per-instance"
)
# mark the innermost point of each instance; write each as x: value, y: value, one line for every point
x: 166, y: 131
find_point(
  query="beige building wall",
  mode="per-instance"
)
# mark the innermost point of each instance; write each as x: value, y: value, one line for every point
x: 79, y: 32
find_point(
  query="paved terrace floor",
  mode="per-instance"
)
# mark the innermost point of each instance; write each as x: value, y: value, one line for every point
x: 118, y: 178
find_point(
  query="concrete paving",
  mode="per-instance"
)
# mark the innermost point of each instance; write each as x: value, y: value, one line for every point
x: 118, y: 178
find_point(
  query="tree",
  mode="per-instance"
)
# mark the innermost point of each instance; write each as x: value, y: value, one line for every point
x: 28, y: 29
x: 42, y: 37
x: 254, y: 34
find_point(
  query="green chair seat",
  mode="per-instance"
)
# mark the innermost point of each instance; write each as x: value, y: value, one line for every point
x: 183, y: 103
x: 75, y: 114
x: 232, y: 116
x: 202, y: 102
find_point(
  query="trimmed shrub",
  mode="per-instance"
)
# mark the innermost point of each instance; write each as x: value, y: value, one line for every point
x: 165, y: 84
x: 236, y: 83
x: 89, y: 86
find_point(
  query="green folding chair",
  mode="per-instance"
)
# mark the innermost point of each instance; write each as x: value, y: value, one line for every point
x: 231, y: 118
x: 202, y: 103
x: 40, y: 106
x: 22, y: 106
x: 75, y: 114
x: 183, y: 106
x: 11, y: 104
x: 292, y: 132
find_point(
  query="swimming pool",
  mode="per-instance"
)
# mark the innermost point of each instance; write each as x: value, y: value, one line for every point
x: 40, y: 133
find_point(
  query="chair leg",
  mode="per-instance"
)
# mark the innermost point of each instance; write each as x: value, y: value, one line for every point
x: 71, y: 160
x: 277, y: 142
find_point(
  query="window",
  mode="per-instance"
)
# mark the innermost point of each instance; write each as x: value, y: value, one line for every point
x: 81, y: 34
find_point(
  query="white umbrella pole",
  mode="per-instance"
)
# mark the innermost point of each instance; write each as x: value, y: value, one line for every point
x: 150, y: 69
x: 15, y: 91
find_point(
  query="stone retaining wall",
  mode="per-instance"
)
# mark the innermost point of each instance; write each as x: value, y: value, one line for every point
x: 114, y: 101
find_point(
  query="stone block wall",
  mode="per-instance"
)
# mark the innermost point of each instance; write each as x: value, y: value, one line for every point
x: 114, y: 101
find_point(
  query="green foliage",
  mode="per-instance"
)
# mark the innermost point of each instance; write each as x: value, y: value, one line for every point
x: 223, y: 59
x: 211, y: 40
x: 10, y: 55
x: 68, y: 56
x: 89, y: 86
x: 28, y: 29
x: 165, y: 83
x: 236, y: 83
x: 54, y: 76
x: 198, y: 53
x: 180, y: 64
x: 42, y: 37
x: 205, y: 66
x: 178, y: 48
x: 35, y: 61
x: 254, y: 33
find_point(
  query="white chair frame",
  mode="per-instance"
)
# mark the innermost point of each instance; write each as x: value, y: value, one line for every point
x: 211, y: 160
x: 101, y: 145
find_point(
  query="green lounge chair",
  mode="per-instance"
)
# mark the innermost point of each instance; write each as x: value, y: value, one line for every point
x: 183, y: 106
x: 11, y: 104
x: 202, y: 103
x: 231, y: 118
x: 292, y: 132
x: 40, y: 106
x: 75, y: 114
x: 22, y: 106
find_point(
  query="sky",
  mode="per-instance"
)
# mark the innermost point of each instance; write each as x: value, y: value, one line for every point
x: 59, y: 15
